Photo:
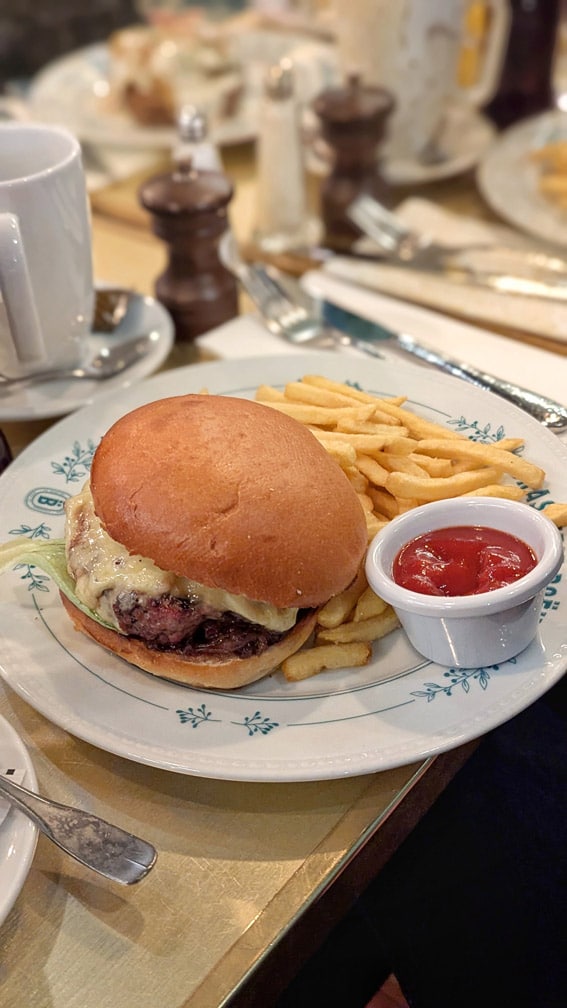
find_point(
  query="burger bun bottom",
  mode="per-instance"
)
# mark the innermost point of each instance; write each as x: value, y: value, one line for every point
x: 175, y: 668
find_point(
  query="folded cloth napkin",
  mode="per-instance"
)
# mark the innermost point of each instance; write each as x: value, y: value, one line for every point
x: 540, y: 370
x: 527, y: 314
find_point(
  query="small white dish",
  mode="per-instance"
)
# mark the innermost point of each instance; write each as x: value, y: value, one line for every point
x: 56, y: 398
x: 468, y: 631
x: 465, y: 137
x: 18, y: 835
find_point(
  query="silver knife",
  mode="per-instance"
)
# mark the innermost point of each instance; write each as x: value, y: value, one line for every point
x: 336, y: 327
x: 352, y: 330
x: 474, y: 270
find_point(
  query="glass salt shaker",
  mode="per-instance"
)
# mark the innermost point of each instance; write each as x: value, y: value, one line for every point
x: 282, y: 218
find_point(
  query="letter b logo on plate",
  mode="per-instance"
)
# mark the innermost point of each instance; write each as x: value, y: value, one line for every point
x: 46, y: 500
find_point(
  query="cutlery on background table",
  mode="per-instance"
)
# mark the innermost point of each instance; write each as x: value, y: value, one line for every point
x: 106, y: 363
x: 95, y: 843
x: 506, y: 270
x: 293, y: 322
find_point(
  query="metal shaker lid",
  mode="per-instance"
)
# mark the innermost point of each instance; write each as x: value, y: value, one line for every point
x: 192, y: 124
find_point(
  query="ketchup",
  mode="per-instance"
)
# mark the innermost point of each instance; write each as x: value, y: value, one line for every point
x: 465, y: 560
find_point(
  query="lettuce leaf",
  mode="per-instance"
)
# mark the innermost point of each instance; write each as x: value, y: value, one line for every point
x: 49, y: 555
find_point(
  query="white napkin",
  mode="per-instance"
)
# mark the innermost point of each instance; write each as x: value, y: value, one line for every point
x: 528, y: 314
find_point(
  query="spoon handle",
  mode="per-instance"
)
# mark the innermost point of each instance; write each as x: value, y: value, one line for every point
x: 92, y: 841
x: 20, y: 381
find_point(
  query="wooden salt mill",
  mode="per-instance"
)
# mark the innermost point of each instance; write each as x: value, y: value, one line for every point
x: 189, y: 213
x: 353, y: 121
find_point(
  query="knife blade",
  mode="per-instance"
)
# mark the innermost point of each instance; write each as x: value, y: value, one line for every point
x: 535, y: 281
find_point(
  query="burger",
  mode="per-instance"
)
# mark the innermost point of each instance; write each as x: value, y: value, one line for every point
x: 211, y: 531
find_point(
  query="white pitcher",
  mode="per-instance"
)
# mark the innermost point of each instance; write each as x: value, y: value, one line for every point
x: 413, y: 47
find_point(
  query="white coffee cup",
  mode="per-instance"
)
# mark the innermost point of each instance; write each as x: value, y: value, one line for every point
x: 412, y: 48
x: 46, y: 277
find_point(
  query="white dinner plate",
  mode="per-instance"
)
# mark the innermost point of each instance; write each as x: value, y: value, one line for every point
x: 508, y: 178
x: 18, y: 835
x: 398, y: 709
x: 74, y: 90
x: 55, y: 398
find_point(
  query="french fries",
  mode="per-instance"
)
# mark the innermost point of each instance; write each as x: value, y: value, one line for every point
x: 551, y: 160
x: 368, y: 605
x: 361, y: 630
x: 395, y: 461
x: 304, y: 664
x: 557, y: 513
x: 338, y: 609
x: 502, y: 459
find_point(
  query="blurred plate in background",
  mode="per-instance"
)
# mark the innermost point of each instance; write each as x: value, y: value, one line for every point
x: 508, y: 178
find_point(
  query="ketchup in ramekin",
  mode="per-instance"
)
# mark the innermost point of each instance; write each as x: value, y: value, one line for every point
x: 462, y: 560
x: 483, y: 621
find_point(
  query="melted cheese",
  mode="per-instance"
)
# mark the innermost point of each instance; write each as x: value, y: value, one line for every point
x: 103, y: 568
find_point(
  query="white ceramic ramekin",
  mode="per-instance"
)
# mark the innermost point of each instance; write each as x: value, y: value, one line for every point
x: 469, y: 631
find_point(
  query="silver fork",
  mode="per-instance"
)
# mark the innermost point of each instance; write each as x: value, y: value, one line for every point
x: 293, y: 322
x: 509, y: 269
x: 395, y: 239
x: 282, y: 315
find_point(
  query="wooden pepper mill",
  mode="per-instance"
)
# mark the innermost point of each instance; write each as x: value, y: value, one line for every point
x: 353, y: 122
x: 189, y: 213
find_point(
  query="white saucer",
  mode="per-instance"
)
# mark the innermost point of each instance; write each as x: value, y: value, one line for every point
x: 56, y: 398
x: 466, y: 136
x: 18, y: 835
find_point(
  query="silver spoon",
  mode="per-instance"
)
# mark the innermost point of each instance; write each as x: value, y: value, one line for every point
x: 97, y: 844
x: 107, y: 362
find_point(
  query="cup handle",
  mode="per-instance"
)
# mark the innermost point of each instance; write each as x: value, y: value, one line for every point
x: 17, y: 294
x: 499, y: 15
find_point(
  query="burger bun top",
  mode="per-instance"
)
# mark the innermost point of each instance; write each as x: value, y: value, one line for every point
x: 232, y: 494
